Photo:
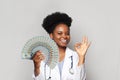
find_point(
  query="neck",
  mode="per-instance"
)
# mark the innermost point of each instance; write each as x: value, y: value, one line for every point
x: 62, y: 49
x: 62, y: 53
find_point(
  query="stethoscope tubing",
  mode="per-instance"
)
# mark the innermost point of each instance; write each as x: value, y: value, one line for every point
x: 70, y: 69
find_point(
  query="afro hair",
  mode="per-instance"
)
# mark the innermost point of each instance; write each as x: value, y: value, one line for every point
x: 51, y: 21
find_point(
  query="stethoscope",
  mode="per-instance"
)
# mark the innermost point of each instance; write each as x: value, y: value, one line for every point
x: 71, y: 71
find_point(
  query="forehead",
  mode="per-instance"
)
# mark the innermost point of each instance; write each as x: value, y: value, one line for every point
x: 61, y: 27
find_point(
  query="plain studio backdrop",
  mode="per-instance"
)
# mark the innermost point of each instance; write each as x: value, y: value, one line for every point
x: 21, y: 20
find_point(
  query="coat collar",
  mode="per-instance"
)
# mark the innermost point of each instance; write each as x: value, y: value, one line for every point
x: 67, y: 62
x: 68, y: 52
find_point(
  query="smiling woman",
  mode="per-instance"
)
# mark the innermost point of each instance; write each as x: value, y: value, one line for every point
x: 61, y: 35
x: 71, y: 63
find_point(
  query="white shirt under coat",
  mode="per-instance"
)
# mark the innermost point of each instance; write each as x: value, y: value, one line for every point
x: 79, y: 71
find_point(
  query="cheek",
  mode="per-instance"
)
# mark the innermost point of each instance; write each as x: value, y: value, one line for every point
x: 69, y: 38
x: 56, y: 37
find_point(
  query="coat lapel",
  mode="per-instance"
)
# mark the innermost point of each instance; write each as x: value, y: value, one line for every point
x: 67, y: 63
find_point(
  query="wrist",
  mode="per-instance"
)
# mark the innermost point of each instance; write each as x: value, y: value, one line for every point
x: 36, y: 69
x: 36, y: 65
x: 81, y: 60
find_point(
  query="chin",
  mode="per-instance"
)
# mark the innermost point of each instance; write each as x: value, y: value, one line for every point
x: 63, y: 46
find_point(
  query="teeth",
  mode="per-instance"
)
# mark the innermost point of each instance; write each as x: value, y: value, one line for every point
x: 64, y: 41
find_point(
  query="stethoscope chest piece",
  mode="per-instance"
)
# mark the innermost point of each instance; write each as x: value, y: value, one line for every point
x: 71, y: 71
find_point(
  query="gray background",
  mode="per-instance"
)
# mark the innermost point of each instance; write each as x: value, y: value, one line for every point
x: 21, y: 20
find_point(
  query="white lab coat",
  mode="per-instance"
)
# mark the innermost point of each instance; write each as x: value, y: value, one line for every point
x: 79, y: 71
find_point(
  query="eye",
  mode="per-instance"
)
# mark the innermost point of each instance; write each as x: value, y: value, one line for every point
x: 68, y: 33
x: 60, y: 33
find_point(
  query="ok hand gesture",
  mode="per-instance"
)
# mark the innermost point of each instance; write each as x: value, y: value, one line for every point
x: 82, y: 47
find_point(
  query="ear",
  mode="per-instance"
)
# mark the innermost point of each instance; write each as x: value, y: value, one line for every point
x: 51, y: 35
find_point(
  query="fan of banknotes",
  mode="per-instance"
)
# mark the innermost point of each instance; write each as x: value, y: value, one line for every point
x: 46, y: 45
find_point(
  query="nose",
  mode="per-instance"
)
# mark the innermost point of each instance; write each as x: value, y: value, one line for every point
x: 64, y: 36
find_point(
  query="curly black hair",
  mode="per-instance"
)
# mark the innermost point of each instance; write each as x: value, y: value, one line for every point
x: 52, y: 20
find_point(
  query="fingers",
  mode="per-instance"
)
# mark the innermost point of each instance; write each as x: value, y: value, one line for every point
x: 77, y: 45
x: 38, y: 56
x: 89, y: 44
x: 41, y: 57
x: 85, y: 41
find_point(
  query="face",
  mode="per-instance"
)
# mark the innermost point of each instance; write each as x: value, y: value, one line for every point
x: 61, y: 35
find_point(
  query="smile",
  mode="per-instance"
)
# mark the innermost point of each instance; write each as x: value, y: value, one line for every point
x: 63, y: 41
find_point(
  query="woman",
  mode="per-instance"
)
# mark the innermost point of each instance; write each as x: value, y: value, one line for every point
x: 71, y: 63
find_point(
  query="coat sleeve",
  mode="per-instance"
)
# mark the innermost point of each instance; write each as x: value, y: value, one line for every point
x: 81, y: 73
x: 39, y: 77
x: 80, y: 70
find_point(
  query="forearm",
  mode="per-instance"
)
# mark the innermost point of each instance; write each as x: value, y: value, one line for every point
x: 37, y: 74
x: 81, y: 73
x: 36, y: 69
x: 81, y: 60
x: 37, y: 58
